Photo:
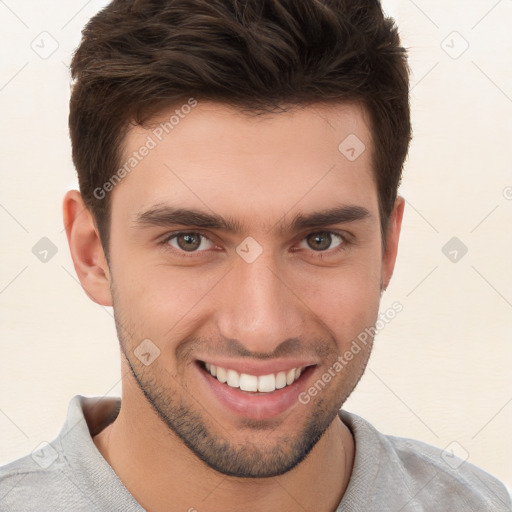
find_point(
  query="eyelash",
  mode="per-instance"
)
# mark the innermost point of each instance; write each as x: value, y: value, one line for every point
x: 320, y: 254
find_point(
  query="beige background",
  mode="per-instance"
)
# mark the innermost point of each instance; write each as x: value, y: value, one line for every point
x: 440, y: 371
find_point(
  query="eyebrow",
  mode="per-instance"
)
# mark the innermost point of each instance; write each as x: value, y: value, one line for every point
x: 164, y: 215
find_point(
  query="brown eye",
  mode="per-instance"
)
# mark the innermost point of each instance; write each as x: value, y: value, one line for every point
x: 322, y: 241
x: 188, y: 242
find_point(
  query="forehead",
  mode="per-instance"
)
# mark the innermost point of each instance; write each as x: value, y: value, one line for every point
x: 215, y: 157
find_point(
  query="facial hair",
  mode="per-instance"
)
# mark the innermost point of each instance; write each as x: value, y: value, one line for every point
x: 190, y: 421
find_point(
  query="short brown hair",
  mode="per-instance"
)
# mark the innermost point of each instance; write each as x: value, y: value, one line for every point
x: 138, y: 57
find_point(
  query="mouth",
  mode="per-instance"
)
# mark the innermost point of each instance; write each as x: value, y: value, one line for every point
x: 261, y: 384
x: 254, y: 391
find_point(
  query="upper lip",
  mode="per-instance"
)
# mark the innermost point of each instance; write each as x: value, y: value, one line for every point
x: 258, y: 368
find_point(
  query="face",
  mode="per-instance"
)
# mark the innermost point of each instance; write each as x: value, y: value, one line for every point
x: 247, y: 249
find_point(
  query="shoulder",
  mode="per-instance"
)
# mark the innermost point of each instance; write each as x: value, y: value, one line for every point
x: 423, y: 475
x: 40, y: 477
x: 451, y: 476
x: 68, y: 473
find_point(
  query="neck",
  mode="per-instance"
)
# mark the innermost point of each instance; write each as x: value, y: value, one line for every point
x: 162, y: 474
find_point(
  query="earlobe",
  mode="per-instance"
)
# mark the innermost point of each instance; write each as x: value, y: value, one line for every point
x: 392, y: 238
x: 86, y: 249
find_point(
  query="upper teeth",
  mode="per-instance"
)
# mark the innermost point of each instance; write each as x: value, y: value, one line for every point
x: 246, y: 382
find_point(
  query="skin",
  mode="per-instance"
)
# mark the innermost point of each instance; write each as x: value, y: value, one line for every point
x: 296, y: 301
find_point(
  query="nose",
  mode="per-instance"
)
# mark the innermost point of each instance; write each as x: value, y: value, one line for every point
x: 258, y: 307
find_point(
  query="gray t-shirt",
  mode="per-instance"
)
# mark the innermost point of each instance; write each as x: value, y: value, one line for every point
x: 390, y: 474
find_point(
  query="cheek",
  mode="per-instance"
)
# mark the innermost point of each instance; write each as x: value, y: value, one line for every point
x: 345, y: 300
x: 162, y: 301
x: 168, y: 303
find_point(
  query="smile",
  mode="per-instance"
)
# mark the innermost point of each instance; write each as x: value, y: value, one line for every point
x: 253, y: 383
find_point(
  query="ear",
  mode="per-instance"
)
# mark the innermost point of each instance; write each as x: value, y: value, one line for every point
x: 86, y: 250
x: 392, y: 236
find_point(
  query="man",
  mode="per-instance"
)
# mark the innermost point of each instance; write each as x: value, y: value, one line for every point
x: 238, y: 165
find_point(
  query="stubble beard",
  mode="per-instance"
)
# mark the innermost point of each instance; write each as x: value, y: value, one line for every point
x: 187, y: 419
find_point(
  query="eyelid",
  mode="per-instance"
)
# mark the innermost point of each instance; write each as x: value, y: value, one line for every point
x: 333, y: 234
x: 168, y: 237
x: 345, y: 237
x: 346, y: 241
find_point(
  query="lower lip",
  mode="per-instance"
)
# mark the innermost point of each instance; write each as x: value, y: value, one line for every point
x: 256, y: 406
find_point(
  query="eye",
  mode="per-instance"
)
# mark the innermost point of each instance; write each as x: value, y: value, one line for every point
x: 190, y: 243
x: 186, y: 241
x: 321, y: 241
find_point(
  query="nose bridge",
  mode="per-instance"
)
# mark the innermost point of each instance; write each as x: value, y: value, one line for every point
x: 258, y: 308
